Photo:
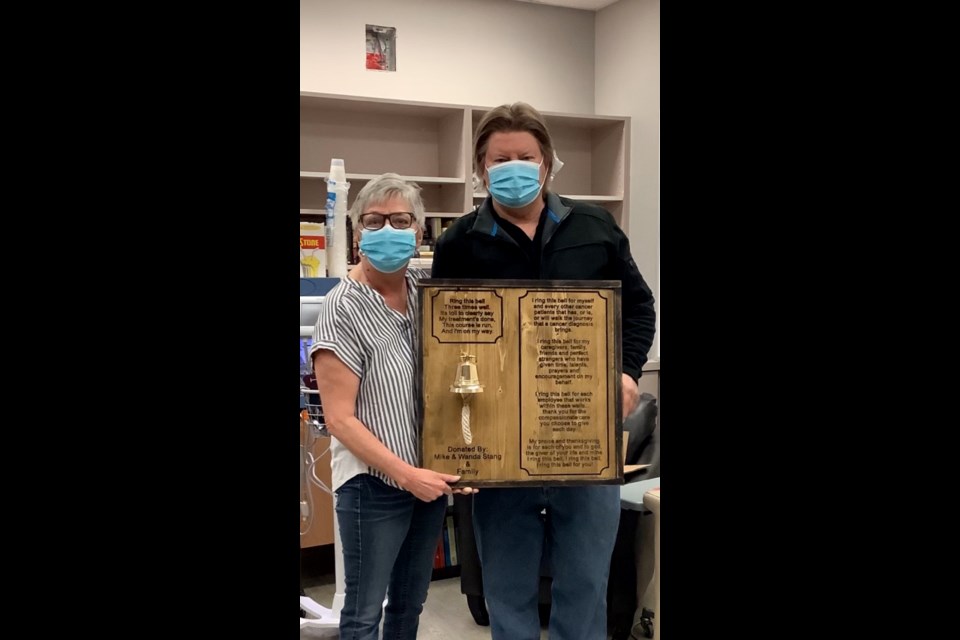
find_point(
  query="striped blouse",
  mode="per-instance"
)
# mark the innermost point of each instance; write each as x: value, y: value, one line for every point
x: 380, y: 346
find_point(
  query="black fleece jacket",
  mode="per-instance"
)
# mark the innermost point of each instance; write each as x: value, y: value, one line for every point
x: 580, y: 242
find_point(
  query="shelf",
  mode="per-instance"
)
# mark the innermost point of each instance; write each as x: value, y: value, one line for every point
x: 427, y: 214
x: 422, y: 263
x: 431, y: 144
x: 446, y: 198
x: 591, y: 198
x: 422, y: 142
x: 375, y: 106
x: 361, y: 177
x: 444, y: 214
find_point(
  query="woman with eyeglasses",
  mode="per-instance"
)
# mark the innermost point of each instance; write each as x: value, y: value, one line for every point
x: 390, y: 511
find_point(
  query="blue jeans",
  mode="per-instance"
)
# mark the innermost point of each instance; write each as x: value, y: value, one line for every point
x: 580, y: 533
x: 388, y: 538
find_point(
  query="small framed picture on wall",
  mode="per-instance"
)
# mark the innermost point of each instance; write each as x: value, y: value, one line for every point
x: 381, y: 48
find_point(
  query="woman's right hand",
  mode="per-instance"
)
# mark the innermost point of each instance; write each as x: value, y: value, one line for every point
x: 427, y: 485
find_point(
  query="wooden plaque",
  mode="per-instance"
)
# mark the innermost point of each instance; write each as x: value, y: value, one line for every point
x: 544, y: 405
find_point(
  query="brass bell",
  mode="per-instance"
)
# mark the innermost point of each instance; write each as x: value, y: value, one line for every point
x: 466, y: 380
x: 466, y: 383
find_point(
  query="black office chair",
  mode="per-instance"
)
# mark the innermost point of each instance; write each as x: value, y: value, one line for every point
x: 643, y: 447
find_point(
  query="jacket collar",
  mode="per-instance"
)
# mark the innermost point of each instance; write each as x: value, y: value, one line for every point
x: 486, y: 224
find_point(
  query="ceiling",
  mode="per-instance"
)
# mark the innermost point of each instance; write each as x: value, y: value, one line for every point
x: 589, y: 5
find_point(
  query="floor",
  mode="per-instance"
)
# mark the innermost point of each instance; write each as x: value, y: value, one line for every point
x: 445, y: 614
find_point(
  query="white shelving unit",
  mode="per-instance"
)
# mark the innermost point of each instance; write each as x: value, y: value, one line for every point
x: 425, y: 143
x: 432, y: 145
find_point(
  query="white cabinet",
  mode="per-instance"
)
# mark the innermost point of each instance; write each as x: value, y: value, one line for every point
x: 432, y: 144
x: 426, y: 143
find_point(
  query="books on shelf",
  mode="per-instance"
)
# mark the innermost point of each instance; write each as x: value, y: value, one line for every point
x: 446, y: 555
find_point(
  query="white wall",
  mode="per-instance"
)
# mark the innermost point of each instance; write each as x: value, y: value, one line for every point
x: 627, y: 74
x: 477, y: 52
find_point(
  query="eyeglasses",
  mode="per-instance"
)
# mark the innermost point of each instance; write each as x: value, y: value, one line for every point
x: 398, y: 220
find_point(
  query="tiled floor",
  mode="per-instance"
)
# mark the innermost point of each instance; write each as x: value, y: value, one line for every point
x: 445, y: 614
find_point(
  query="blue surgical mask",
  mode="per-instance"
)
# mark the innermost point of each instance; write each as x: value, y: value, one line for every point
x: 388, y: 249
x: 516, y: 183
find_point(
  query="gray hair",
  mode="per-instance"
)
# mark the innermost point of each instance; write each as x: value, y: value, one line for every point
x: 383, y: 188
